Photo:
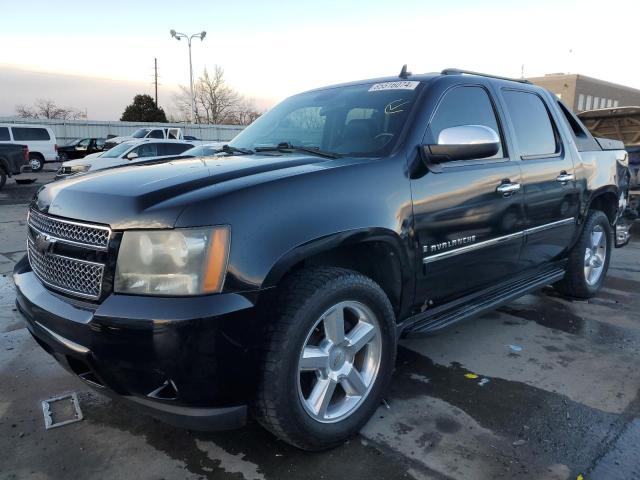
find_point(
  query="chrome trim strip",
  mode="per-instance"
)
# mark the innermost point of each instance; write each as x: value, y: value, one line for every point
x: 495, y: 241
x: 70, y: 222
x: 473, y: 246
x: 547, y: 226
x: 66, y: 342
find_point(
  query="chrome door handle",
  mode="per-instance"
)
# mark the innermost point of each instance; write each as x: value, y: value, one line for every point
x: 565, y: 177
x: 508, y: 189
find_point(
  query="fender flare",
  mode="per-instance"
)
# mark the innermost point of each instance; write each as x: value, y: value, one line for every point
x: 335, y: 240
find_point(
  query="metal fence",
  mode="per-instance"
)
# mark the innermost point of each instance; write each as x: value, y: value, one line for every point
x: 67, y: 130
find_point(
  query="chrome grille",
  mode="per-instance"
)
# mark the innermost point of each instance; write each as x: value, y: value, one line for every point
x: 69, y: 275
x: 74, y: 233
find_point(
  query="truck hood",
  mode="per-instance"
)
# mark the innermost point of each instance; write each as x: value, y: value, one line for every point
x: 153, y: 194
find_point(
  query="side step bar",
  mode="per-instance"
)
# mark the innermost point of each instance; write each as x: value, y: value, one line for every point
x: 477, y: 303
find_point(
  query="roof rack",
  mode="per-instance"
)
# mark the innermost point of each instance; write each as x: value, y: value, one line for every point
x: 457, y: 71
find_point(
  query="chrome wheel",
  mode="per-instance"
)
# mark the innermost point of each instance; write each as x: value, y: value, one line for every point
x: 36, y: 164
x: 339, y: 362
x: 595, y: 255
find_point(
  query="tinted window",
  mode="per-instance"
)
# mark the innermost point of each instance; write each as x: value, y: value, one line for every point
x: 156, y: 134
x: 465, y: 106
x: 4, y: 133
x: 84, y: 142
x: 24, y: 133
x: 172, y: 148
x: 100, y: 142
x: 531, y: 122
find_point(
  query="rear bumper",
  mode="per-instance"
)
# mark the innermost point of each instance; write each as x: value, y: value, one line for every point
x: 181, y: 360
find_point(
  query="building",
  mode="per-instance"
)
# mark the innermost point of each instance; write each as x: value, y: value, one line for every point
x: 581, y: 93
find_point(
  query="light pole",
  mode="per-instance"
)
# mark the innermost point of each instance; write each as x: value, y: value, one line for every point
x: 178, y: 36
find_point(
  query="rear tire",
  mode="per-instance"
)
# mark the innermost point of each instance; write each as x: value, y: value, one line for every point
x: 589, y: 258
x: 319, y: 382
x: 36, y: 161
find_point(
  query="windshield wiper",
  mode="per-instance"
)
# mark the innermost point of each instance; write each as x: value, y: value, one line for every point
x: 287, y: 146
x: 231, y: 150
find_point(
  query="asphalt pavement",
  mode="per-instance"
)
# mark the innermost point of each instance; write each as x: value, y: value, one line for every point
x: 543, y: 388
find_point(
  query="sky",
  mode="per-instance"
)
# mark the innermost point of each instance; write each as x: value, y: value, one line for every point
x: 96, y: 55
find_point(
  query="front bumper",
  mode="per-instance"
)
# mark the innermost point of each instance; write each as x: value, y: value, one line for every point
x: 185, y: 361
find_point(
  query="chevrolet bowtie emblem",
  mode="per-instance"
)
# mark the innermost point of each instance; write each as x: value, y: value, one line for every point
x: 44, y: 243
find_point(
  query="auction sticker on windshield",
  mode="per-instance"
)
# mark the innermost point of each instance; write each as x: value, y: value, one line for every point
x: 401, y: 85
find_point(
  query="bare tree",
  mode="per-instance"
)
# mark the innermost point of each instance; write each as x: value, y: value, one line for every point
x: 45, y: 108
x: 216, y: 102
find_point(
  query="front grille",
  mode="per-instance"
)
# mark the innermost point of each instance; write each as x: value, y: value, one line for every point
x: 70, y: 275
x: 66, y: 255
x: 74, y: 233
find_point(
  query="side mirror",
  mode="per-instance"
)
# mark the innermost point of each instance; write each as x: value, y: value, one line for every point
x: 131, y: 156
x: 464, y: 142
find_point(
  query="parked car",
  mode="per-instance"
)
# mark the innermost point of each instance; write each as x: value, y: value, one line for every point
x: 165, y: 133
x: 80, y: 148
x: 124, y: 153
x: 40, y: 140
x: 14, y: 159
x: 275, y: 278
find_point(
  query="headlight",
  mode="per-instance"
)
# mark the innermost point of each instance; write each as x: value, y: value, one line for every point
x: 185, y: 261
x: 76, y: 168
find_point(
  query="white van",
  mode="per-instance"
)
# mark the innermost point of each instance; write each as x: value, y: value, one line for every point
x: 40, y: 139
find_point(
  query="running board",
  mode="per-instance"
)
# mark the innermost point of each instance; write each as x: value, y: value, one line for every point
x: 477, y: 303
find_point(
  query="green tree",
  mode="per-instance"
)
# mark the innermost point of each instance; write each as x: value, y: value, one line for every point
x: 143, y: 109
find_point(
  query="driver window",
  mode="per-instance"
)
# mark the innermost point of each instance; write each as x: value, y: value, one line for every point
x: 468, y: 105
x: 84, y: 143
x: 146, y: 150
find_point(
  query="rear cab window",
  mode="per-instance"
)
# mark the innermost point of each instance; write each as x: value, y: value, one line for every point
x: 535, y: 132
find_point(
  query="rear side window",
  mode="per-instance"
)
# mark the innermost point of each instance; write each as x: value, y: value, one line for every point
x: 172, y: 148
x: 4, y: 134
x: 24, y: 133
x: 465, y: 106
x: 156, y: 134
x: 534, y: 132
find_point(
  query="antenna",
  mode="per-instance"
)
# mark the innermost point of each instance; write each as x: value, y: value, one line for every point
x: 403, y: 72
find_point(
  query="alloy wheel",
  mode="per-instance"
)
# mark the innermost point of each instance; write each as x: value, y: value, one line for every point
x: 339, y: 362
x: 595, y: 255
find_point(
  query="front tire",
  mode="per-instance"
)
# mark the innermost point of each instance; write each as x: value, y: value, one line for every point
x: 589, y: 259
x: 36, y: 162
x: 329, y: 355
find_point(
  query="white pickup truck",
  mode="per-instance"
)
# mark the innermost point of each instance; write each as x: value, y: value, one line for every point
x: 160, y: 133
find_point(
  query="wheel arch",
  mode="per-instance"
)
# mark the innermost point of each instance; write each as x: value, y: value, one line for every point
x: 377, y: 253
x: 604, y: 199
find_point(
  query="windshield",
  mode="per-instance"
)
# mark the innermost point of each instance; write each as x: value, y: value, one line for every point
x: 75, y: 141
x: 117, y: 150
x: 141, y: 133
x: 364, y: 120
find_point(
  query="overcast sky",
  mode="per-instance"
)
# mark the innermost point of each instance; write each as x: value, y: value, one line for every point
x: 96, y: 55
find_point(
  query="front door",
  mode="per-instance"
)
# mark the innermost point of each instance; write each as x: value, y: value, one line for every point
x: 469, y: 230
x: 548, y: 177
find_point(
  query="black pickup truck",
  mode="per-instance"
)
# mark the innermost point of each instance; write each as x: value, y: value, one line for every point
x: 14, y: 159
x: 276, y: 277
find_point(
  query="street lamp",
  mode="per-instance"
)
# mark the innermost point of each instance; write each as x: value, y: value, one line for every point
x: 178, y: 36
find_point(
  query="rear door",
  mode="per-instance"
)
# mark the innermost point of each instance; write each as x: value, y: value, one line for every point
x: 470, y: 234
x: 551, y: 197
